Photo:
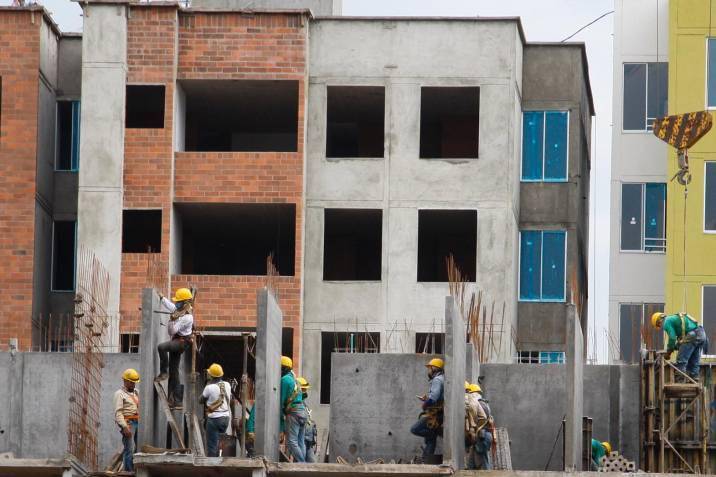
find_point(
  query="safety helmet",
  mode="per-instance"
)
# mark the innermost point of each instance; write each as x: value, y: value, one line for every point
x: 305, y: 386
x: 130, y: 375
x: 475, y: 388
x: 607, y: 447
x: 436, y: 362
x: 467, y: 386
x: 655, y: 319
x: 215, y: 371
x: 182, y: 294
x: 286, y: 362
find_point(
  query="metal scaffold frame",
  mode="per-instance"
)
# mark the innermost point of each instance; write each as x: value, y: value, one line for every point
x: 674, y: 418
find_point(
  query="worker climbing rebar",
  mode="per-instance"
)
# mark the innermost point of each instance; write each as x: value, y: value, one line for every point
x: 179, y: 328
x: 685, y: 335
x: 126, y: 415
x: 430, y: 421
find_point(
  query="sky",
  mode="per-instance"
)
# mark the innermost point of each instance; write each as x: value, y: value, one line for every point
x: 542, y: 20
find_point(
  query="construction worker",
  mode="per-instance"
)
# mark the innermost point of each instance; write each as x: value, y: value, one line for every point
x: 126, y: 415
x: 430, y: 420
x: 311, y: 432
x: 485, y: 422
x: 179, y: 327
x: 217, y: 397
x: 293, y: 412
x: 251, y: 431
x: 599, y: 450
x: 686, y: 335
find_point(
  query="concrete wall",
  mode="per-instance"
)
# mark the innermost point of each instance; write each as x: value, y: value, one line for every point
x: 36, y: 392
x: 373, y: 406
x: 554, y: 79
x: 636, y: 157
x: 104, y: 73
x: 391, y: 53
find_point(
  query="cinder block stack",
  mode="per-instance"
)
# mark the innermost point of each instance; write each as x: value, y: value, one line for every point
x: 614, y: 462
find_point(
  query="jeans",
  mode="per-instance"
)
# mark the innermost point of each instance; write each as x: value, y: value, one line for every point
x: 169, y: 358
x: 310, y: 452
x: 482, y: 450
x: 295, y: 433
x: 689, y: 356
x: 430, y: 436
x: 215, y: 426
x: 129, y: 444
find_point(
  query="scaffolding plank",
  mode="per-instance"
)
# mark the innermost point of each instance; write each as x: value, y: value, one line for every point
x: 169, y: 414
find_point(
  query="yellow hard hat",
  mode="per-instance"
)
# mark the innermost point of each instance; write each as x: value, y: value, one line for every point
x: 436, y: 362
x: 607, y: 447
x: 655, y: 319
x: 303, y: 383
x: 182, y: 294
x: 475, y: 388
x: 215, y: 371
x: 286, y: 362
x: 467, y: 386
x: 130, y: 375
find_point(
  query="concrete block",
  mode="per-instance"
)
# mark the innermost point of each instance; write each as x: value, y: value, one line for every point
x: 574, y: 391
x: 455, y: 350
x: 268, y: 374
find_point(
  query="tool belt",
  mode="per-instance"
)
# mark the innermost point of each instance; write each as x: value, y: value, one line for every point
x: 133, y: 417
x: 183, y: 339
x: 434, y: 416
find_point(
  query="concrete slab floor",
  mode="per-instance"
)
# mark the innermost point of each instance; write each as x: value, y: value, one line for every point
x: 340, y: 470
x: 69, y: 467
x: 158, y: 465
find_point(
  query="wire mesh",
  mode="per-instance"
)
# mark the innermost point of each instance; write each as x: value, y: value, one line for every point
x: 90, y: 324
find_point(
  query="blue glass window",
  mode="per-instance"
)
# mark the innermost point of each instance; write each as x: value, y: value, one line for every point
x: 544, y: 146
x: 68, y: 135
x: 542, y: 265
x: 711, y: 86
x: 551, y: 357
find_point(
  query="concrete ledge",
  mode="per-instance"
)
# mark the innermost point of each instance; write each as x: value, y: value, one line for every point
x: 375, y: 470
x: 187, y: 465
x: 66, y: 467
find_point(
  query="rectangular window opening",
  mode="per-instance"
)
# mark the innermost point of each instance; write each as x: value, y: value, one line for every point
x: 643, y: 226
x: 355, y: 121
x: 343, y: 342
x: 442, y: 233
x: 636, y: 332
x: 141, y: 231
x: 708, y: 312
x: 68, y: 135
x: 429, y: 343
x: 710, y: 197
x: 352, y: 244
x: 129, y: 342
x: 542, y: 265
x: 449, y: 122
x: 541, y: 357
x: 711, y: 73
x: 545, y: 146
x: 144, y: 106
x: 63, y: 255
x: 243, y: 116
x: 646, y: 87
x: 236, y: 239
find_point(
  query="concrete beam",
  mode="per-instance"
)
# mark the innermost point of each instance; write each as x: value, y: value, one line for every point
x: 574, y: 391
x: 455, y: 350
x: 268, y: 374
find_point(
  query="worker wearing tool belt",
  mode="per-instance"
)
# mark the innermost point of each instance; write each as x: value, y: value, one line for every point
x: 311, y: 432
x: 430, y: 420
x: 126, y: 415
x: 686, y: 335
x: 217, y: 396
x: 179, y: 327
x: 293, y: 412
x: 479, y: 425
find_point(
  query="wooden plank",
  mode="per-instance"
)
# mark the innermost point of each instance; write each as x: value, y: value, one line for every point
x: 198, y: 440
x: 164, y: 404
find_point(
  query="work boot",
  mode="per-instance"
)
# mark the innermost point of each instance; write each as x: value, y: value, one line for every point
x: 161, y: 377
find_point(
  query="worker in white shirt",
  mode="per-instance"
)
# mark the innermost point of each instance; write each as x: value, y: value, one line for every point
x: 217, y: 397
x: 179, y: 327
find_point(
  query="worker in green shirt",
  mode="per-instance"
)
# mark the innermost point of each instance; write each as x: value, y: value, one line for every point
x: 686, y: 335
x: 599, y: 450
x: 293, y: 412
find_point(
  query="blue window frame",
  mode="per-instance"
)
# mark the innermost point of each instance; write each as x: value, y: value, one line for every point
x: 542, y: 265
x: 68, y: 136
x: 643, y: 227
x: 711, y: 74
x: 544, y: 146
x: 541, y: 357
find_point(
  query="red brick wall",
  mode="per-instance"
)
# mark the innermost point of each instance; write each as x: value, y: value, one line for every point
x: 223, y: 46
x: 19, y: 69
x: 148, y: 153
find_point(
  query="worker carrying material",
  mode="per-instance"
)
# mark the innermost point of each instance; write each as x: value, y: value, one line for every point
x: 478, y: 427
x: 293, y: 412
x: 430, y: 420
x: 126, y: 415
x: 599, y: 450
x: 686, y: 335
x: 179, y: 328
x: 217, y: 398
x: 311, y: 431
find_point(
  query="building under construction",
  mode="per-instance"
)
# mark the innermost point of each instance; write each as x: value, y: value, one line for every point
x: 319, y: 180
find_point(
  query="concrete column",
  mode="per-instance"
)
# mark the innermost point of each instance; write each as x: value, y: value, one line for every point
x: 574, y: 392
x: 268, y: 374
x: 454, y: 423
x: 104, y: 72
